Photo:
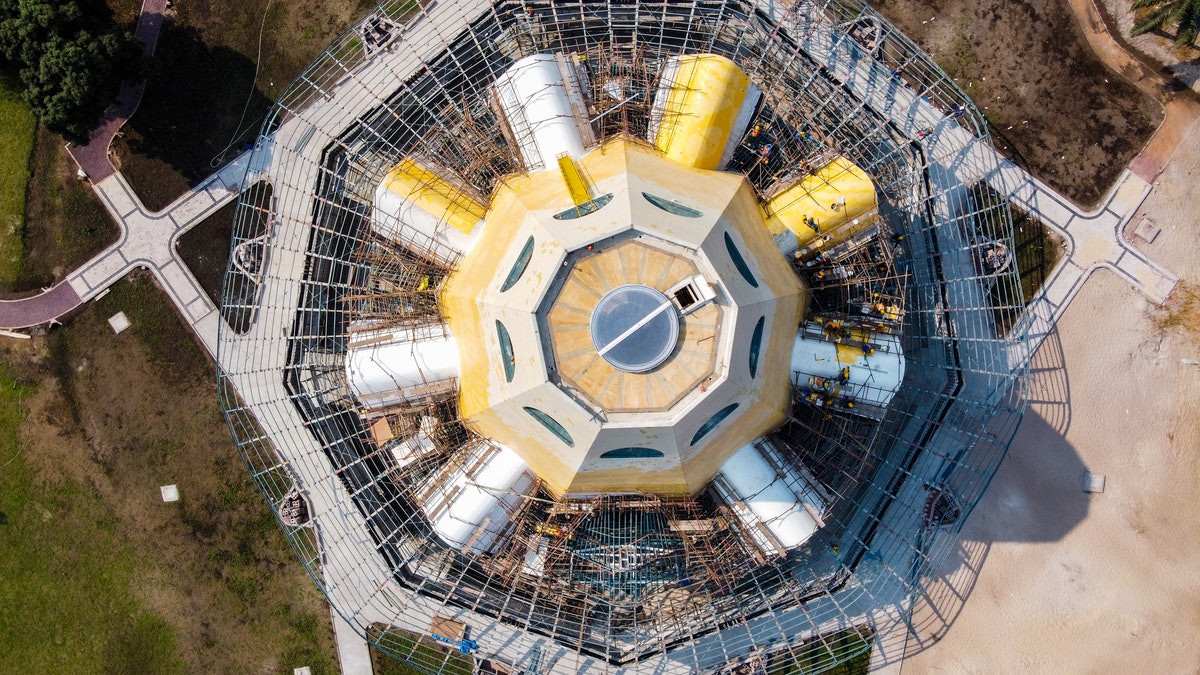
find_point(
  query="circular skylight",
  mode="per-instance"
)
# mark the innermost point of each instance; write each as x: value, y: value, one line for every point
x: 634, y: 328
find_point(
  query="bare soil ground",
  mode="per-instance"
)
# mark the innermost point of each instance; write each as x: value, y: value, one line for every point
x: 209, y: 85
x: 124, y: 414
x: 1108, y: 582
x: 1053, y: 105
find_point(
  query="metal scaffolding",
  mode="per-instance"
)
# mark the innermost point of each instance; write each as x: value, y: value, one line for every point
x: 612, y: 581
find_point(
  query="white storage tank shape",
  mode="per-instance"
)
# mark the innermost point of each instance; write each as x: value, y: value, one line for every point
x: 777, y: 505
x: 415, y: 207
x: 470, y: 505
x: 865, y: 369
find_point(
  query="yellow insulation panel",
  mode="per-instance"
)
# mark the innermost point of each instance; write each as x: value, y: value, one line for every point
x: 436, y: 196
x: 576, y: 185
x: 827, y: 202
x: 701, y: 110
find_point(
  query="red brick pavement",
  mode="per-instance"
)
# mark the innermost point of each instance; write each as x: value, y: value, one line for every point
x: 93, y: 157
x: 39, y: 308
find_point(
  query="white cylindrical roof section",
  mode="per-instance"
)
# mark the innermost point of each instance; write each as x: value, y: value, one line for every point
x: 702, y: 108
x: 536, y: 96
x: 383, y: 374
x: 764, y: 497
x: 416, y: 208
x: 471, y: 510
x: 874, y: 376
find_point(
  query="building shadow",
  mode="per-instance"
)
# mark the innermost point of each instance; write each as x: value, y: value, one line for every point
x: 1187, y: 72
x: 201, y: 106
x: 1036, y: 495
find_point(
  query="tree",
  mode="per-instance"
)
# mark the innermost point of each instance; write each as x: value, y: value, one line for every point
x: 71, y: 58
x: 1182, y: 13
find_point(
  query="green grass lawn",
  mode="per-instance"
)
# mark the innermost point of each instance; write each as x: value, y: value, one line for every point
x: 66, y: 574
x: 846, y: 652
x: 16, y: 142
x: 97, y: 574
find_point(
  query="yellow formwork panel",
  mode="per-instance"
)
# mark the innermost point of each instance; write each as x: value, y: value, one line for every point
x: 436, y: 196
x: 497, y: 246
x: 701, y: 110
x: 837, y: 201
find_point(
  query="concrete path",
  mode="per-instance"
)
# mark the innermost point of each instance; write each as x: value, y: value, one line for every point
x: 93, y: 158
x: 1092, y: 240
x: 148, y: 242
x: 354, y: 657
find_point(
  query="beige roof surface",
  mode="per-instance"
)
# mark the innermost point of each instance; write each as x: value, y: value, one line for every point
x: 632, y: 261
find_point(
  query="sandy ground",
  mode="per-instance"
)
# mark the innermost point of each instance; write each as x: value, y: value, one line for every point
x: 1183, y: 62
x: 1108, y: 583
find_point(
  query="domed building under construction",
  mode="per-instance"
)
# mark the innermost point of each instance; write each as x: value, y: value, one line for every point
x: 580, y: 337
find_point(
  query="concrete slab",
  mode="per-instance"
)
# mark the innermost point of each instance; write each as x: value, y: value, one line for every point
x: 199, y: 307
x: 1129, y: 194
x: 1156, y: 284
x: 1096, y: 239
x: 206, y: 328
x: 180, y: 284
x: 353, y: 654
x: 99, y: 273
x: 1147, y: 230
x: 1044, y: 206
x: 119, y: 322
x: 1061, y: 286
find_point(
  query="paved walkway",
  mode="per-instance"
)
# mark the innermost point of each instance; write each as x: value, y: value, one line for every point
x: 147, y: 241
x: 39, y: 309
x: 93, y: 158
x: 1092, y: 240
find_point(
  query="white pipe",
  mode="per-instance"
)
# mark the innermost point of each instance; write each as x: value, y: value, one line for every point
x: 762, y: 498
x: 470, y: 510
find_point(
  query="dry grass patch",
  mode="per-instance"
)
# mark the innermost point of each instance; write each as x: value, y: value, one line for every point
x: 1181, y: 312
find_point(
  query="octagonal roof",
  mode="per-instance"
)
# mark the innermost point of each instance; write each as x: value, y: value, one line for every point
x: 573, y: 316
x: 538, y: 385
